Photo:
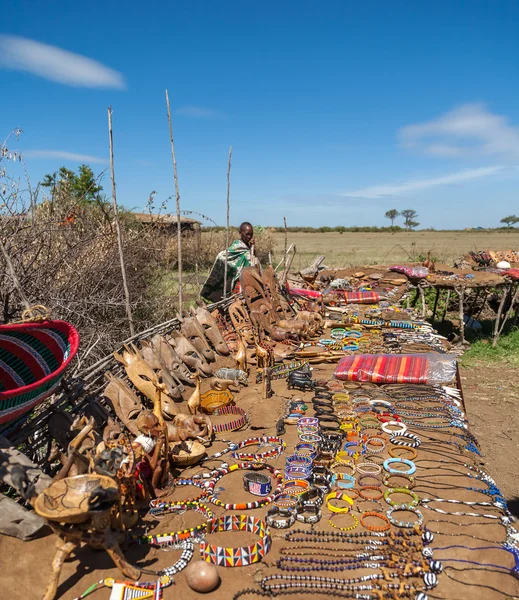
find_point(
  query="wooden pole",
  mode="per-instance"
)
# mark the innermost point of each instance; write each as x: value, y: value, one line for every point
x: 227, y: 240
x: 118, y: 227
x: 498, y: 318
x: 424, y: 304
x: 446, y: 304
x: 177, y: 197
x: 513, y: 300
x: 461, y: 294
x: 435, y: 303
x: 286, y: 245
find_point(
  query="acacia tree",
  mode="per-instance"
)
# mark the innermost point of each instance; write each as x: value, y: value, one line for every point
x: 392, y: 215
x: 510, y: 220
x: 410, y: 216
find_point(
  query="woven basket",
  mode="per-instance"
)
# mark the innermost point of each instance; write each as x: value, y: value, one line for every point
x: 214, y: 399
x: 33, y: 359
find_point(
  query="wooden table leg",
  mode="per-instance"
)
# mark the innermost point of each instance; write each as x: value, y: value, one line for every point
x: 62, y: 553
x: 128, y: 570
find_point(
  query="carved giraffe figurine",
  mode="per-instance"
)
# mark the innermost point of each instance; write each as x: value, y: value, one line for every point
x: 193, y: 401
x: 241, y: 355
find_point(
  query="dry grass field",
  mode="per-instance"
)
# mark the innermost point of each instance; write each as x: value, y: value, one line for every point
x: 357, y: 248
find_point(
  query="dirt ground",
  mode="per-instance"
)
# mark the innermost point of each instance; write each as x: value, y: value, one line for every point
x: 358, y: 248
x: 490, y: 404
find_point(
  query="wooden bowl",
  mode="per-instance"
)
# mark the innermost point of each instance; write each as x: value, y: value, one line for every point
x: 76, y: 499
x: 185, y: 454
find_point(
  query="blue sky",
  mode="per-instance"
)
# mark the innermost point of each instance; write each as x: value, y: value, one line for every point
x: 336, y: 110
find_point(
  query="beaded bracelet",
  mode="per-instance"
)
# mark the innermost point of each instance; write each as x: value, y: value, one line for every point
x: 409, y: 463
x: 231, y: 425
x: 406, y: 524
x: 312, y: 495
x: 375, y: 528
x: 374, y: 459
x: 398, y: 449
x: 287, y: 501
x: 280, y: 518
x: 321, y: 482
x: 378, y: 442
x: 257, y: 484
x: 386, y: 427
x: 338, y: 496
x: 343, y: 480
x: 159, y: 539
x: 409, y: 478
x: 406, y: 439
x: 369, y: 469
x: 312, y: 438
x: 237, y: 557
x: 280, y: 446
x: 347, y: 464
x: 306, y: 449
x: 293, y: 472
x: 295, y: 460
x: 295, y: 486
x: 378, y: 496
x: 412, y: 504
x: 377, y: 477
x: 313, y: 509
x: 248, y: 505
x: 355, y: 523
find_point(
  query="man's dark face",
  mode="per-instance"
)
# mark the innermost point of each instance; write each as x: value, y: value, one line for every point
x: 246, y: 234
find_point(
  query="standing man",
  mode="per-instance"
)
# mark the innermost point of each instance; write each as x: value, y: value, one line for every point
x: 240, y: 254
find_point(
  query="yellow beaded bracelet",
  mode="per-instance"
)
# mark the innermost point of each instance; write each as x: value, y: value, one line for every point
x: 338, y: 496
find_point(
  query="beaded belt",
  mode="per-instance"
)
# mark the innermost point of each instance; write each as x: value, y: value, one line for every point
x: 280, y: 446
x: 237, y: 557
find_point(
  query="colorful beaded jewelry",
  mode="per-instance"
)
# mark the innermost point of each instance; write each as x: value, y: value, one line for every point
x: 363, y: 493
x: 376, y: 528
x: 369, y: 468
x: 409, y: 463
x: 406, y: 439
x: 231, y: 425
x: 237, y: 557
x: 295, y: 486
x: 280, y: 445
x: 188, y: 549
x: 410, y: 485
x: 412, y: 504
x: 314, y: 516
x: 257, y: 484
x: 351, y: 515
x: 288, y: 501
x: 343, y: 480
x: 405, y: 524
x: 210, y: 485
x: 338, y: 496
x: 159, y: 539
x: 157, y: 506
x: 398, y: 450
x: 389, y: 427
x: 280, y: 518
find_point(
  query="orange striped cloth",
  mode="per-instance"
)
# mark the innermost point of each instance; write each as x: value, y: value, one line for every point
x: 361, y: 297
x: 383, y: 368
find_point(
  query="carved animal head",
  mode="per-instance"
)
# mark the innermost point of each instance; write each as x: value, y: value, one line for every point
x: 140, y: 372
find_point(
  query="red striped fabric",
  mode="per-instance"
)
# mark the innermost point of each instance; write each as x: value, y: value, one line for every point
x: 383, y: 368
x: 361, y: 297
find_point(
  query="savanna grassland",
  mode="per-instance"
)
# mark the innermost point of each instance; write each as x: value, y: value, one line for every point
x: 360, y: 248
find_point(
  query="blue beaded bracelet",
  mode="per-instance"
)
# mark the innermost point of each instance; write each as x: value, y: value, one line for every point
x: 405, y: 461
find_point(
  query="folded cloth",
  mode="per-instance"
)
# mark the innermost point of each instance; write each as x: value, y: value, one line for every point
x: 361, y: 297
x: 427, y: 368
x: 309, y: 294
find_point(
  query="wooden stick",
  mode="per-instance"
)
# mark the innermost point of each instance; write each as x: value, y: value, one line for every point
x: 446, y: 305
x: 284, y: 275
x: 435, y: 303
x: 177, y: 196
x: 12, y: 273
x: 283, y: 260
x: 498, y: 319
x: 424, y: 304
x: 286, y: 244
x: 510, y: 308
x: 483, y: 304
x: 461, y: 294
x: 227, y: 240
x: 118, y: 227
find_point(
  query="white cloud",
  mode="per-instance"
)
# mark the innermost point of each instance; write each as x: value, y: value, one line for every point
x: 469, y: 130
x: 56, y: 64
x: 62, y: 155
x: 412, y: 185
x: 198, y: 112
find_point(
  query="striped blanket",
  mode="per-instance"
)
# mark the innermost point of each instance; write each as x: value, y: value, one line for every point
x: 383, y: 368
x: 360, y: 297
